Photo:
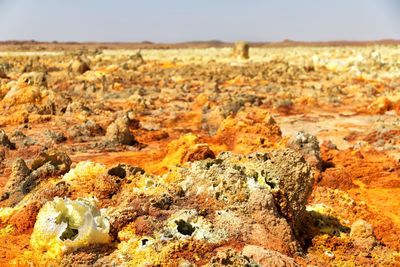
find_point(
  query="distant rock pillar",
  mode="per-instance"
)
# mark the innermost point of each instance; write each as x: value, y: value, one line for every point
x: 241, y: 50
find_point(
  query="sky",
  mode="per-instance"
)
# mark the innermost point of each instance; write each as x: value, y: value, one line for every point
x: 189, y: 20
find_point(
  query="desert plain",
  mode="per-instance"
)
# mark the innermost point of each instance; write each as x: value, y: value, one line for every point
x: 198, y: 156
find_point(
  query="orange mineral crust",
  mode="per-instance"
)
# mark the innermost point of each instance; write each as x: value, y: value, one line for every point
x: 252, y: 156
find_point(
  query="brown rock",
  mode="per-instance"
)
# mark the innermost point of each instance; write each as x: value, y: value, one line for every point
x: 60, y: 189
x: 119, y: 131
x: 363, y: 234
x: 85, y: 256
x: 249, y: 131
x: 134, y: 61
x: 122, y: 170
x: 241, y: 50
x: 84, y: 131
x: 270, y: 224
x: 261, y: 204
x: 106, y: 186
x: 274, y: 234
x: 162, y: 201
x: 5, y: 145
x: 267, y: 257
x: 60, y: 160
x: 79, y: 67
x: 3, y: 75
x: 25, y: 219
x: 308, y: 145
x: 296, y: 179
x: 33, y: 78
x: 147, y: 225
x: 36, y: 176
x: 199, y: 152
x: 19, y: 174
x: 230, y: 257
x: 4, y: 141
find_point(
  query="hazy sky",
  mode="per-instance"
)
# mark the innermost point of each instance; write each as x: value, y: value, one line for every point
x: 186, y: 20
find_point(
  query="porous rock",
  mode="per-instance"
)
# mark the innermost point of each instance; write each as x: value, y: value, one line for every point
x: 162, y: 201
x: 84, y: 131
x: 19, y: 174
x: 60, y: 160
x: 363, y: 234
x: 266, y: 257
x: 295, y: 178
x: 232, y: 178
x: 308, y: 145
x: 230, y: 257
x: 263, y: 211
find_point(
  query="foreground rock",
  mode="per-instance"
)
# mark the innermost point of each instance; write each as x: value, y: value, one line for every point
x: 15, y: 185
x: 232, y: 258
x: 239, y: 198
x: 308, y: 145
x: 363, y: 234
x: 267, y: 257
x: 235, y: 180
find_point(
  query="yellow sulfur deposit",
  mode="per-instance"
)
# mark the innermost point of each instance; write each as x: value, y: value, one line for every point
x: 65, y: 224
x: 84, y: 176
x: 84, y: 171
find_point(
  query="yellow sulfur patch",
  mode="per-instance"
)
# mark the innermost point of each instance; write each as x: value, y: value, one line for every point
x: 64, y: 224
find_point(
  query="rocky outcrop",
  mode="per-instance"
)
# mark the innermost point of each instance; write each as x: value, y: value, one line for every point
x: 119, y: 133
x: 48, y: 163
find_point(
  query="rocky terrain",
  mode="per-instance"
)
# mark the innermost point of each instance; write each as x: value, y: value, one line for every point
x: 276, y: 156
